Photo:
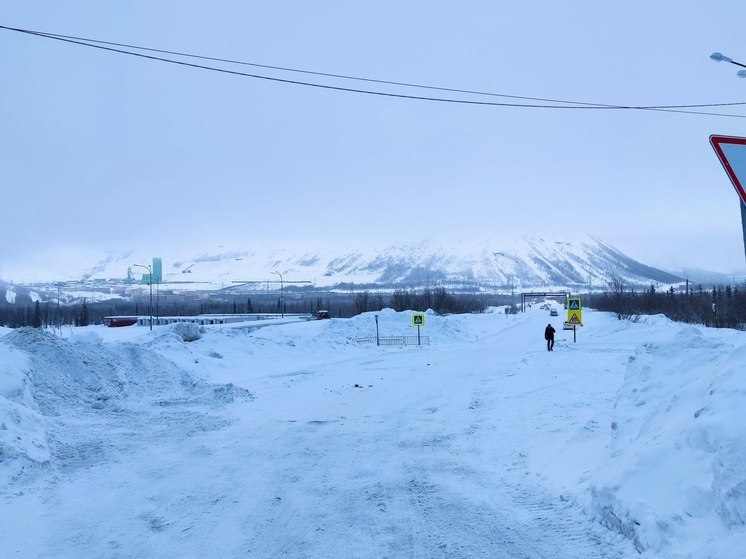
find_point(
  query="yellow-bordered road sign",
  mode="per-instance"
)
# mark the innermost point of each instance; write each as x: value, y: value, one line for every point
x: 418, y: 319
x: 574, y: 304
x: 575, y: 318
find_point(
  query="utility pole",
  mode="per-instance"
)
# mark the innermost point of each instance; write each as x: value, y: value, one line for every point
x: 150, y: 284
x: 282, y: 296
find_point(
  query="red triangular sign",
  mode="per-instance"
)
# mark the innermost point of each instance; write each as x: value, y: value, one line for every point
x: 732, y: 154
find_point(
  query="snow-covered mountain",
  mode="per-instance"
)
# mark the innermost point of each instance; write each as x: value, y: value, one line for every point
x: 519, y: 263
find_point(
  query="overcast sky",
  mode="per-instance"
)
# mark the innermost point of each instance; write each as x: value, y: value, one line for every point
x: 107, y: 151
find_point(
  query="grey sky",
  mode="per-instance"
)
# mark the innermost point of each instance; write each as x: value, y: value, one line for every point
x: 101, y: 150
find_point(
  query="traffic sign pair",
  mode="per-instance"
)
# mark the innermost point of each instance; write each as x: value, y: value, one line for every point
x: 575, y: 311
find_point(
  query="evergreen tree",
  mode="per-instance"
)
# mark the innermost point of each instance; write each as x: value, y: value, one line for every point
x: 84, y: 316
x: 36, y: 320
x: 362, y: 302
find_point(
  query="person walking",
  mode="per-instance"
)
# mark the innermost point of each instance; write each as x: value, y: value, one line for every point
x: 549, y: 337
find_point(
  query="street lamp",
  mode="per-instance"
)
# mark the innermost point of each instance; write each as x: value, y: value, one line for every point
x: 282, y: 297
x: 718, y: 57
x: 150, y: 283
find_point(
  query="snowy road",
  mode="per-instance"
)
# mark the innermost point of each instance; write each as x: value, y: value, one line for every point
x: 343, y: 451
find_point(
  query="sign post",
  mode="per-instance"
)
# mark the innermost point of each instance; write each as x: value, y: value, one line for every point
x: 418, y: 319
x: 731, y: 152
x: 574, y: 315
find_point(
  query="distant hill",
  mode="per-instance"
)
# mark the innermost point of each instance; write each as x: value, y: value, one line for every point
x: 17, y: 295
x: 575, y: 263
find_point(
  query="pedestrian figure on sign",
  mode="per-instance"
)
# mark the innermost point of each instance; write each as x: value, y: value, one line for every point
x: 549, y: 337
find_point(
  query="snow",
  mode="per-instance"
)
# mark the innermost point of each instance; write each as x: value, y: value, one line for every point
x: 295, y: 441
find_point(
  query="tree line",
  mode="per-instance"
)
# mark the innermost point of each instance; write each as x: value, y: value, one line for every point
x: 342, y: 305
x: 437, y: 299
x: 720, y: 307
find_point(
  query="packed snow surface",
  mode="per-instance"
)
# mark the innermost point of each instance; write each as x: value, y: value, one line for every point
x: 296, y: 440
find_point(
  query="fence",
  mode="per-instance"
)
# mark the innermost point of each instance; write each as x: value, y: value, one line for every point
x: 395, y: 340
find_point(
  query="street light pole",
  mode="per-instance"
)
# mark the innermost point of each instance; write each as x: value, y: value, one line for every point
x: 150, y: 284
x: 282, y: 296
x: 719, y: 57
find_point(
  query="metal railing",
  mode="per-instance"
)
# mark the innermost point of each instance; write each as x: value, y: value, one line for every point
x: 400, y: 341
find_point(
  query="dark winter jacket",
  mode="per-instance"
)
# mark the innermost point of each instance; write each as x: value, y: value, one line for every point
x: 549, y: 332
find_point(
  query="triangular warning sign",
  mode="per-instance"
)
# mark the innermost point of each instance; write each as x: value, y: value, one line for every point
x: 732, y: 154
x: 574, y: 305
x: 574, y: 318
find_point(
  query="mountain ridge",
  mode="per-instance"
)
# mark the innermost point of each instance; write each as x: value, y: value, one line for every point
x: 519, y: 262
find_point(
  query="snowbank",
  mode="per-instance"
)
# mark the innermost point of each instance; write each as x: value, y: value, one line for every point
x: 56, y: 394
x: 676, y: 479
x: 23, y: 436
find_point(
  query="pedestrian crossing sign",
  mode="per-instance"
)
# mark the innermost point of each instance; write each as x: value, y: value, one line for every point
x: 575, y: 318
x: 574, y: 304
x: 418, y: 319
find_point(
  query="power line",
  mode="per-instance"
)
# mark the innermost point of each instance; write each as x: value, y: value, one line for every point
x: 386, y: 82
x: 309, y: 72
x: 93, y: 43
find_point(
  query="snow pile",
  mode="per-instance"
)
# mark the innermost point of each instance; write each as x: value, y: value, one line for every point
x: 453, y: 329
x: 187, y: 331
x: 60, y: 399
x: 23, y: 436
x: 676, y: 478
